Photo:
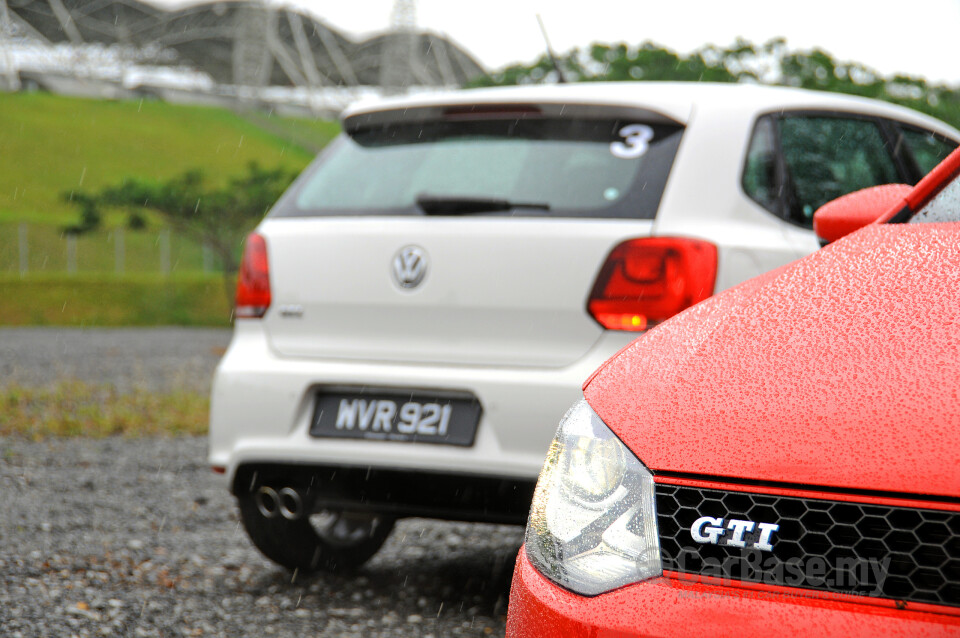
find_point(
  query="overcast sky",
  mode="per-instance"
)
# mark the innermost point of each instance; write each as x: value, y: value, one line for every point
x: 916, y: 37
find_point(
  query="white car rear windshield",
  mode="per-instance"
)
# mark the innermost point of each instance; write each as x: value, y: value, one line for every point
x: 518, y: 166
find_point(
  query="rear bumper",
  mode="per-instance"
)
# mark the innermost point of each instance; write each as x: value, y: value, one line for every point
x: 673, y: 607
x: 396, y: 493
x: 262, y: 404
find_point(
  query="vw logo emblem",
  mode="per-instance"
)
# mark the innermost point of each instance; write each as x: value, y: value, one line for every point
x: 410, y: 266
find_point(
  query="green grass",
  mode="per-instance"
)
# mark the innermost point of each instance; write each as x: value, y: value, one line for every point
x: 51, y: 144
x: 80, y: 409
x: 312, y: 135
x: 110, y: 300
x: 316, y: 132
x: 99, y: 251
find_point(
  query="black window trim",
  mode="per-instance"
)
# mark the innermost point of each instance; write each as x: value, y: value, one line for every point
x: 782, y: 175
x: 906, y: 166
x: 899, y: 127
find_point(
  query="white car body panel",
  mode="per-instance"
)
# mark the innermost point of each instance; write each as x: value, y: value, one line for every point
x: 487, y: 298
x: 263, y: 405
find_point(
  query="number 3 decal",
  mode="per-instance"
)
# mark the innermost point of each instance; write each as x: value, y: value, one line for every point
x: 636, y: 138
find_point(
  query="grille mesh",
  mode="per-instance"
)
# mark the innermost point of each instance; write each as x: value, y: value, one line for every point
x: 873, y: 550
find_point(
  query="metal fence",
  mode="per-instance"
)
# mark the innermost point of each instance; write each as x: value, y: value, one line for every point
x: 30, y: 248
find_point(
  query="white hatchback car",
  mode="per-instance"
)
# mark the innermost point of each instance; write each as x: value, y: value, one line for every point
x: 418, y: 310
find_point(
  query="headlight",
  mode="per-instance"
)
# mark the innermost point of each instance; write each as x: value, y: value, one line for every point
x: 592, y: 525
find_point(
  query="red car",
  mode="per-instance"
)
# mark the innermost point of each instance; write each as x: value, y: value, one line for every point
x: 782, y: 458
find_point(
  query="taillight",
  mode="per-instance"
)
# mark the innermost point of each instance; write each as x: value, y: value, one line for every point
x: 648, y: 280
x: 253, y: 283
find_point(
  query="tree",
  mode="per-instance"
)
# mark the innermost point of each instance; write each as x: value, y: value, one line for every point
x: 743, y: 61
x: 218, y: 216
x: 89, y: 212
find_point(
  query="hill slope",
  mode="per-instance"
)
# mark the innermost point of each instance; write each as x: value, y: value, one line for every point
x: 50, y: 144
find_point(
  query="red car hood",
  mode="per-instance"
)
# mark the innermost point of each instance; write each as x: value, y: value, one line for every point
x: 840, y: 370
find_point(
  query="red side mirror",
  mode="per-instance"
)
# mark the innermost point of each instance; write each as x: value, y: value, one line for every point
x: 853, y: 211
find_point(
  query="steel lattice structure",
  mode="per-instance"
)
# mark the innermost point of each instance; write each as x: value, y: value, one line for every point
x: 249, y: 43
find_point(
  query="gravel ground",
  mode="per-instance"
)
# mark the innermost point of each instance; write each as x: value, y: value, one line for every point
x: 122, y: 537
x: 155, y: 358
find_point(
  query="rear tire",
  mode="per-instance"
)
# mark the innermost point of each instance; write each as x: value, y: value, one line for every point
x: 333, y: 541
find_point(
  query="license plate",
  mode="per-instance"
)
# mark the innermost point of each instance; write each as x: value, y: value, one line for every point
x: 396, y: 415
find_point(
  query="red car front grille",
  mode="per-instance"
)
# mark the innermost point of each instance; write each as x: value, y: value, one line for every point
x: 899, y: 553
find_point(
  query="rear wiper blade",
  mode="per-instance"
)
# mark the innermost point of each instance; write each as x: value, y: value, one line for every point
x: 457, y: 205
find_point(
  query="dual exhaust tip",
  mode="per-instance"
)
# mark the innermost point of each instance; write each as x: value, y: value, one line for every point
x: 286, y: 502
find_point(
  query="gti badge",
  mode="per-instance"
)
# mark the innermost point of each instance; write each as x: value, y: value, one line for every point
x: 410, y: 266
x: 708, y: 529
